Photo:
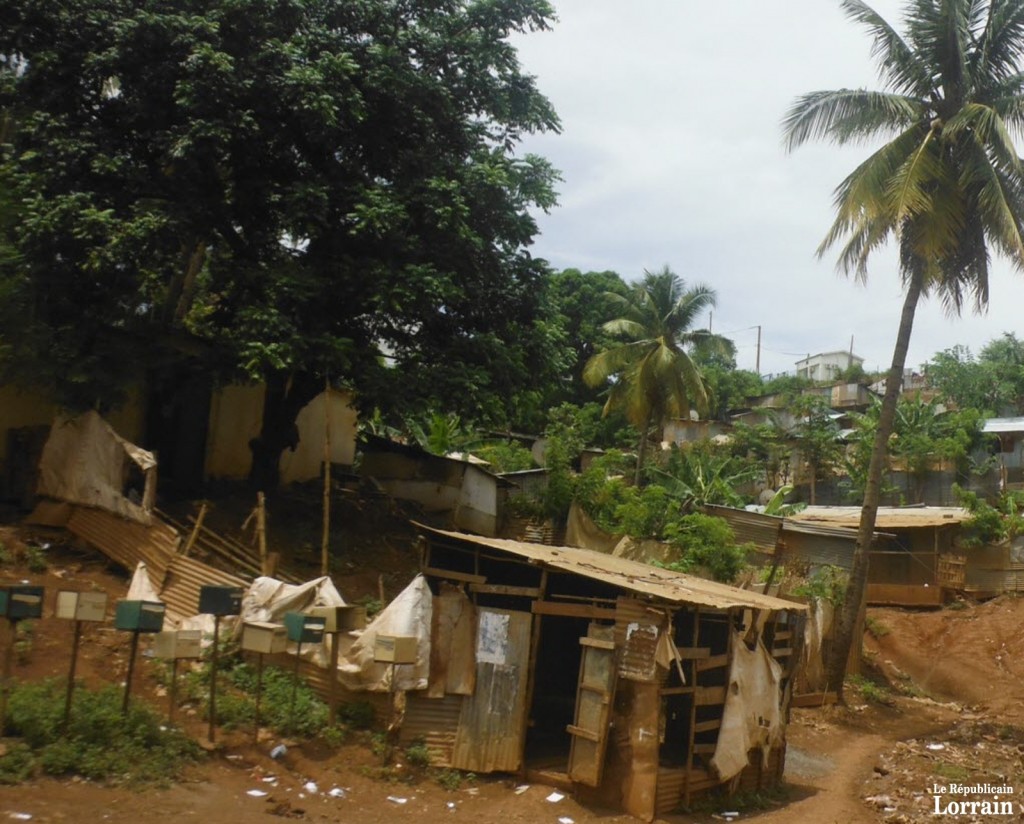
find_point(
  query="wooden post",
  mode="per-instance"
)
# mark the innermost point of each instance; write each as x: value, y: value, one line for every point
x: 334, y: 678
x: 693, y: 706
x: 261, y: 531
x: 295, y: 685
x: 5, y: 688
x: 259, y: 695
x: 195, y: 529
x: 325, y: 540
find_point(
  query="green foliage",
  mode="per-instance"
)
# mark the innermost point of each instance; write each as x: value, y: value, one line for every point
x: 990, y: 524
x: 452, y: 780
x: 371, y: 604
x: 789, y: 386
x: 506, y: 456
x: 827, y: 583
x: 290, y: 188
x: 702, y: 474
x: 870, y: 691
x: 706, y: 543
x: 17, y: 764
x: 101, y: 743
x: 764, y: 446
x: 237, y: 708
x: 35, y: 559
x: 817, y: 436
x: 359, y: 715
x: 417, y: 754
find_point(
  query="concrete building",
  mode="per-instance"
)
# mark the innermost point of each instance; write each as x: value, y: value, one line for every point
x: 826, y: 365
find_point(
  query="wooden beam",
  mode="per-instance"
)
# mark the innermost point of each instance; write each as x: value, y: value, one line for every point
x: 451, y: 575
x: 500, y: 589
x: 707, y: 726
x: 714, y: 662
x: 572, y: 729
x: 572, y: 610
x: 691, y: 653
x: 813, y: 699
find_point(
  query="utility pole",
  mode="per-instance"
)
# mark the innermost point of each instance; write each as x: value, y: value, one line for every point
x: 757, y: 367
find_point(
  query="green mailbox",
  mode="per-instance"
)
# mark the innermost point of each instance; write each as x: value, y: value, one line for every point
x: 304, y: 629
x: 140, y: 616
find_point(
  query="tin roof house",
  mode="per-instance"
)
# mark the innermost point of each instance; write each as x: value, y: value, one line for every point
x: 635, y: 686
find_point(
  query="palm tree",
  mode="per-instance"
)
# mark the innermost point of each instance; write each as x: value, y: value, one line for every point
x: 946, y: 185
x: 653, y: 376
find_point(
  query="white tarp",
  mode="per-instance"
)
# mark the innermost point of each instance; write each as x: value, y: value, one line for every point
x: 141, y: 588
x: 86, y: 462
x: 409, y: 614
x: 752, y: 718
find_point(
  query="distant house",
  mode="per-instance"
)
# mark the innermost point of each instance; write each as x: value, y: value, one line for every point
x: 826, y: 365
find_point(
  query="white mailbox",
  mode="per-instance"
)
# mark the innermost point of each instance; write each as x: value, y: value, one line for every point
x: 263, y: 637
x: 81, y: 606
x: 180, y: 643
x: 395, y: 649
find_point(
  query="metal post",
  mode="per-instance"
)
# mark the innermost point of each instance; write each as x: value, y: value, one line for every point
x: 295, y: 685
x: 334, y: 678
x: 5, y: 688
x: 211, y: 732
x: 259, y: 695
x: 173, y: 690
x: 131, y: 670
x: 71, y: 674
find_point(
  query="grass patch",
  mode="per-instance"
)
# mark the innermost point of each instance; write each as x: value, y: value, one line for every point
x: 100, y: 743
x: 952, y: 772
x: 876, y: 627
x: 742, y: 802
x: 869, y: 690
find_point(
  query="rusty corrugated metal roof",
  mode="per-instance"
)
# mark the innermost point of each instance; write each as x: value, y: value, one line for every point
x: 674, y: 587
x: 889, y: 517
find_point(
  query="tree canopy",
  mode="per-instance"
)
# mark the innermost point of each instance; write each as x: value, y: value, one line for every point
x: 272, y: 189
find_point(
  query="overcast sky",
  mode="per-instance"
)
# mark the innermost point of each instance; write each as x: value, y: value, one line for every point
x: 671, y: 153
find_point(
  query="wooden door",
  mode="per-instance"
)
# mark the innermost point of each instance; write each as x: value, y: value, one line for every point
x: 594, y: 694
x: 491, y: 728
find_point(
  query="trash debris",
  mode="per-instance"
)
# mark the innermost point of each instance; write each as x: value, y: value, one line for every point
x: 20, y: 816
x: 269, y: 779
x: 336, y: 792
x: 451, y: 806
x: 881, y: 800
x: 311, y: 788
x: 565, y: 820
x: 555, y: 797
x: 278, y: 751
x: 257, y: 793
x: 935, y: 747
x: 394, y: 799
x: 522, y: 788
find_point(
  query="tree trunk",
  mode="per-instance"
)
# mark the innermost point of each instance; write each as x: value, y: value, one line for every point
x: 853, y: 605
x: 285, y: 397
x: 642, y: 450
x: 814, y: 478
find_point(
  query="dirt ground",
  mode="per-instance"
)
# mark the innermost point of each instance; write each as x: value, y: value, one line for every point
x: 945, y: 704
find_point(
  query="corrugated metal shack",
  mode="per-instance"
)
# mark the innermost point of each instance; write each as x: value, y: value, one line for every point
x: 985, y: 571
x: 904, y: 570
x: 596, y: 672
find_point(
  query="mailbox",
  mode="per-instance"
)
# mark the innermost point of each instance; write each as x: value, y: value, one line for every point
x: 341, y: 619
x: 259, y: 636
x: 182, y: 643
x: 17, y: 602
x: 220, y: 600
x: 81, y: 606
x: 140, y: 616
x: 304, y: 629
x: 395, y: 649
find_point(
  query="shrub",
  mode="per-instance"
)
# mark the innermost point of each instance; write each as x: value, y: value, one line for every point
x: 359, y: 715
x: 708, y: 542
x: 417, y: 754
x: 99, y: 743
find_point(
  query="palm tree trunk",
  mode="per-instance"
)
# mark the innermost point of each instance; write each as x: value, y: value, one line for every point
x: 853, y: 604
x: 641, y: 453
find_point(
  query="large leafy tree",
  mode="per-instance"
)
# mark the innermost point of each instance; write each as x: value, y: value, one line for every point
x: 946, y: 185
x: 653, y: 375
x: 281, y: 190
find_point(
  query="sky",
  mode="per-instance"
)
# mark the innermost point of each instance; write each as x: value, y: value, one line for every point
x: 671, y: 154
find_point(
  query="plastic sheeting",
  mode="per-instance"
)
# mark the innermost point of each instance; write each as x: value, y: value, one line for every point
x: 141, y: 587
x: 409, y: 614
x: 752, y: 718
x: 86, y: 462
x: 819, y: 627
x: 582, y: 532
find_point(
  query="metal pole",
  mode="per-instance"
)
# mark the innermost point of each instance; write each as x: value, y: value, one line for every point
x: 259, y: 695
x: 71, y: 674
x: 174, y: 689
x: 334, y: 679
x: 5, y: 688
x: 213, y: 679
x: 757, y: 366
x: 131, y: 670
x: 295, y: 685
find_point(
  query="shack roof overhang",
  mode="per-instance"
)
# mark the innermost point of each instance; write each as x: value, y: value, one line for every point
x: 661, y: 584
x: 889, y: 517
x: 1004, y: 426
